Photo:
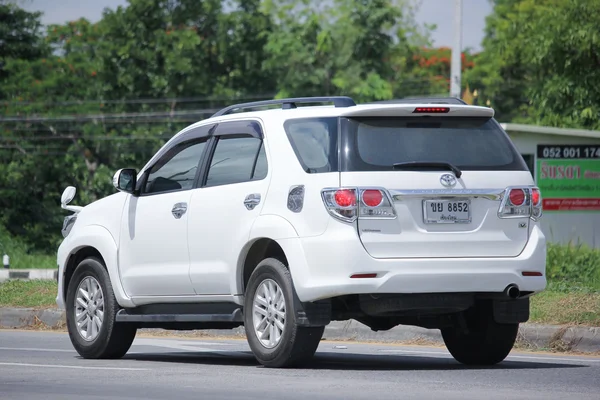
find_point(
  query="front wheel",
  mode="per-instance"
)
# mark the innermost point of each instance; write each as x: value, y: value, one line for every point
x: 486, y: 342
x: 91, y: 310
x: 270, y: 321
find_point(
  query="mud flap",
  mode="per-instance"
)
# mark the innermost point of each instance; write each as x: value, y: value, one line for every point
x: 312, y: 314
x: 511, y: 311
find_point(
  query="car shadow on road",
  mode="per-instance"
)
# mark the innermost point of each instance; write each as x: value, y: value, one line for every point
x: 347, y: 361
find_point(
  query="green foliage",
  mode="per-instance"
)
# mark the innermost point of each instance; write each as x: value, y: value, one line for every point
x: 540, y: 62
x: 21, y: 255
x: 19, y: 35
x: 573, y: 267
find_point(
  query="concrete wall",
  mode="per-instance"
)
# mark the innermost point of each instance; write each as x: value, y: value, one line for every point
x: 562, y: 226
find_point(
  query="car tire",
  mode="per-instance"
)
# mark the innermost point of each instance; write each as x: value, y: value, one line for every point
x: 95, y: 306
x: 486, y: 342
x: 288, y: 344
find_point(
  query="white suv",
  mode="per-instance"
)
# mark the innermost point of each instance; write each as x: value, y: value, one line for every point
x: 419, y: 212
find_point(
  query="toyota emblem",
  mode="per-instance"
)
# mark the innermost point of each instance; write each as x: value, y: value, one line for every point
x: 448, y: 180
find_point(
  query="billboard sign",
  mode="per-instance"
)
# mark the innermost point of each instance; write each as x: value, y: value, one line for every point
x: 569, y: 177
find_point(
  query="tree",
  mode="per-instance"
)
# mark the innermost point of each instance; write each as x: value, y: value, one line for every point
x: 540, y: 62
x: 346, y: 47
x: 20, y: 37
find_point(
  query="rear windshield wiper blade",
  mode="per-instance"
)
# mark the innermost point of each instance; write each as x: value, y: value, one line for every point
x: 432, y: 164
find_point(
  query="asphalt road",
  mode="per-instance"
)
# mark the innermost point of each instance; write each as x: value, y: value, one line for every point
x: 43, y: 365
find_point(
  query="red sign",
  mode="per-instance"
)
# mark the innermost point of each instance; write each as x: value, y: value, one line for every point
x: 571, y: 204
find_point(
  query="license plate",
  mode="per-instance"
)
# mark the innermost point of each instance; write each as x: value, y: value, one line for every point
x: 447, y: 211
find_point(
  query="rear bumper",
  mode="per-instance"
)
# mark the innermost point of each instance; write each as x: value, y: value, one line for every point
x: 321, y: 267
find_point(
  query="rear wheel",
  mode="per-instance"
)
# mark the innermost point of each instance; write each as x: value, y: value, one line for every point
x: 91, y: 309
x: 486, y: 342
x: 270, y: 321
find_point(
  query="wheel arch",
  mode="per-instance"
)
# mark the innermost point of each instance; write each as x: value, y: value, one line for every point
x: 262, y: 243
x: 95, y: 241
x: 253, y: 253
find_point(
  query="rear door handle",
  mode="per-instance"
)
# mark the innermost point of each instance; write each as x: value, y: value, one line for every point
x: 179, y: 209
x: 252, y: 200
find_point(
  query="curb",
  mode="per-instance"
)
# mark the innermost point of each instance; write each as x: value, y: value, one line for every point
x: 531, y: 336
x: 45, y: 274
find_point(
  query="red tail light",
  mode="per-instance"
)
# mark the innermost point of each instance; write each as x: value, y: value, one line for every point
x: 343, y: 203
x: 521, y: 202
x: 517, y: 197
x: 431, y: 110
x: 345, y: 198
x: 372, y: 198
x: 535, y: 197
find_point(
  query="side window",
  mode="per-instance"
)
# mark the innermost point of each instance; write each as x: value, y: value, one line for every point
x: 314, y: 141
x: 236, y: 160
x: 177, y: 169
x: 260, y: 169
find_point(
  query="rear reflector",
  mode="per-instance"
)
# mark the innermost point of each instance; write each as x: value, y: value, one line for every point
x: 431, y: 110
x: 531, y: 273
x: 364, y: 276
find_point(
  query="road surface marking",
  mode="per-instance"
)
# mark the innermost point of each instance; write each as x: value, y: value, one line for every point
x: 35, y: 349
x: 71, y: 366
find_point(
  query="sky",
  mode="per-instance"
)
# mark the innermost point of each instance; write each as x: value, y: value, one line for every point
x: 438, y: 12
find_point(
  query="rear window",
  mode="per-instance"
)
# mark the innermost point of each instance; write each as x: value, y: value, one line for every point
x: 468, y: 143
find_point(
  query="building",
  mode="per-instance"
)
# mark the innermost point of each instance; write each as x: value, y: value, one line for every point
x: 566, y: 166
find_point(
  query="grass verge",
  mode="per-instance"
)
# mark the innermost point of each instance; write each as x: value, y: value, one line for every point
x: 21, y: 257
x: 29, y: 294
x: 552, y: 306
x: 559, y: 308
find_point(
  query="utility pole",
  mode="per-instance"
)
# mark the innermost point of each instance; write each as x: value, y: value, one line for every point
x: 455, y: 69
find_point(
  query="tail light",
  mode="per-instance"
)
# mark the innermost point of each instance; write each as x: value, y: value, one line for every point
x: 521, y: 202
x: 348, y: 204
x: 516, y: 197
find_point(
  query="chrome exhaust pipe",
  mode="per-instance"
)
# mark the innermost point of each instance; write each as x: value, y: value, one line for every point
x: 512, y: 291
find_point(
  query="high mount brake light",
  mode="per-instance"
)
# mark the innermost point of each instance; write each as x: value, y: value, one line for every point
x: 343, y: 204
x: 431, y: 110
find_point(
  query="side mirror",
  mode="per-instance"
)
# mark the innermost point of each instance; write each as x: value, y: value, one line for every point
x: 68, y: 195
x: 124, y: 180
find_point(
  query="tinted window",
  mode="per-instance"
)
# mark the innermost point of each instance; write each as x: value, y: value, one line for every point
x: 468, y: 143
x: 260, y: 170
x: 314, y: 141
x: 177, y: 169
x: 235, y: 160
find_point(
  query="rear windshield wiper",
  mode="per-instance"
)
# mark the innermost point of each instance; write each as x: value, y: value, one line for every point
x: 432, y: 164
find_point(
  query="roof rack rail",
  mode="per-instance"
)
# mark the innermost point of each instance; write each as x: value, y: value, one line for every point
x: 423, y: 100
x: 338, y: 101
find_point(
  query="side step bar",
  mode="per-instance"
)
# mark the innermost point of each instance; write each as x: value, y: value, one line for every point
x: 124, y: 316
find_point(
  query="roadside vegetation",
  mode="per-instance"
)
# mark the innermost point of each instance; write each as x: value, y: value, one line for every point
x: 34, y: 293
x: 571, y: 298
x: 23, y: 256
